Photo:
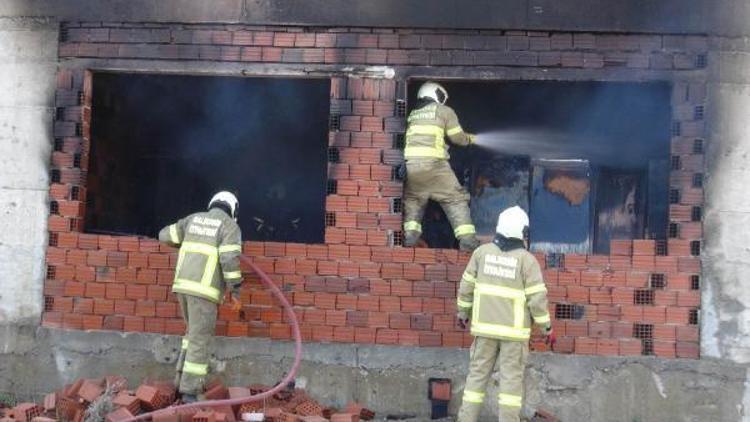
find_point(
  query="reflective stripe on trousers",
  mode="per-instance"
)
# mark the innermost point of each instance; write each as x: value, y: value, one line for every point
x: 473, y: 397
x: 509, y: 400
x: 195, y: 368
x: 412, y: 226
x: 464, y: 229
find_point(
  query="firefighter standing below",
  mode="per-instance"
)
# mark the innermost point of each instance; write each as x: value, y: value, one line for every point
x: 502, y: 289
x: 429, y: 175
x: 208, y: 260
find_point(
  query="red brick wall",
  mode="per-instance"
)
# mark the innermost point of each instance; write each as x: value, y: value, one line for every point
x: 359, y: 286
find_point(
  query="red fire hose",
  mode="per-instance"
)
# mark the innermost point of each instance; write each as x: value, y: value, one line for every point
x: 256, y: 397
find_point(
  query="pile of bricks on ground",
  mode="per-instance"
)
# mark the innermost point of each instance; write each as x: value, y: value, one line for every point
x: 72, y: 403
x: 544, y: 416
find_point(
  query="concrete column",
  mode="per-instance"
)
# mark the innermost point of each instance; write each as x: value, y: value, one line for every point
x: 725, y: 319
x: 28, y: 55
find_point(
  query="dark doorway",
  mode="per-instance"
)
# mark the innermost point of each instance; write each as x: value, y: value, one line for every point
x: 588, y: 151
x: 161, y: 145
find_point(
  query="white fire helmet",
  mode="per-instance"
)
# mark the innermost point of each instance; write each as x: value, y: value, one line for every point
x: 512, y: 223
x: 227, y: 198
x: 434, y: 91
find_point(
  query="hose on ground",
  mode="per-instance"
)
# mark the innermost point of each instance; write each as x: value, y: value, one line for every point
x: 256, y: 397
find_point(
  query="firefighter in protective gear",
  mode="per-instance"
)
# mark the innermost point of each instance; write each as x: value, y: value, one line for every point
x: 502, y: 290
x: 208, y: 261
x: 428, y: 173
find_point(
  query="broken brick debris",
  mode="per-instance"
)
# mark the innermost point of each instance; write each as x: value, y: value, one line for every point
x: 90, y: 390
x: 165, y: 415
x: 309, y: 408
x: 328, y: 412
x: 151, y: 398
x: 25, y: 412
x: 252, y: 407
x: 116, y: 383
x: 353, y: 408
x: 218, y: 392
x: 118, y: 415
x: 273, y: 414
x: 288, y: 417
x: 69, y: 409
x: 166, y: 389
x: 185, y: 415
x: 204, y: 416
x: 128, y: 401
x: 544, y: 416
x: 70, y: 404
x: 238, y: 392
x: 71, y: 390
x: 50, y: 402
x: 213, y: 383
x: 258, y: 388
x: 359, y: 410
x: 344, y: 417
x: 283, y: 395
x: 227, y: 411
x: 366, y: 414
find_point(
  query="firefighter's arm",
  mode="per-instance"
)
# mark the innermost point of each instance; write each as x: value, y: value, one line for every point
x: 230, y: 249
x: 465, y: 299
x: 536, y: 293
x: 173, y: 234
x: 453, y: 129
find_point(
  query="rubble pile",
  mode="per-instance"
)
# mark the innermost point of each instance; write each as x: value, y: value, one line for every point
x: 109, y: 400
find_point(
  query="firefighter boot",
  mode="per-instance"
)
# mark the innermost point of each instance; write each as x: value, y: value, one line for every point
x: 468, y: 243
x: 189, y: 398
x: 411, y: 237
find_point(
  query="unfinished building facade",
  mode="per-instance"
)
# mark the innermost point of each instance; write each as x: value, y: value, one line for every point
x: 621, y: 137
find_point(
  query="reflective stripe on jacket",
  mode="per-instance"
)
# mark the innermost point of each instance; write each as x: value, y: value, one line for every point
x: 427, y: 128
x: 210, y: 245
x: 503, y: 291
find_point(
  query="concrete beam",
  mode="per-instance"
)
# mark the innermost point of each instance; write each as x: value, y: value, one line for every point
x: 717, y: 17
x: 390, y: 380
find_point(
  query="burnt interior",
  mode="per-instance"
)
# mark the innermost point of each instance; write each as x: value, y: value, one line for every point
x: 588, y: 160
x: 161, y: 145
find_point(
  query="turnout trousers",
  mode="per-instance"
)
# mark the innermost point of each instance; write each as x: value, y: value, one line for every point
x: 192, y: 365
x: 434, y: 179
x: 510, y: 358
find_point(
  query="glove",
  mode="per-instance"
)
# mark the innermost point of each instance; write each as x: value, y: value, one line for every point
x: 472, y: 138
x: 549, y: 337
x: 401, y: 172
x: 463, y: 319
x: 234, y: 299
x: 234, y: 303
